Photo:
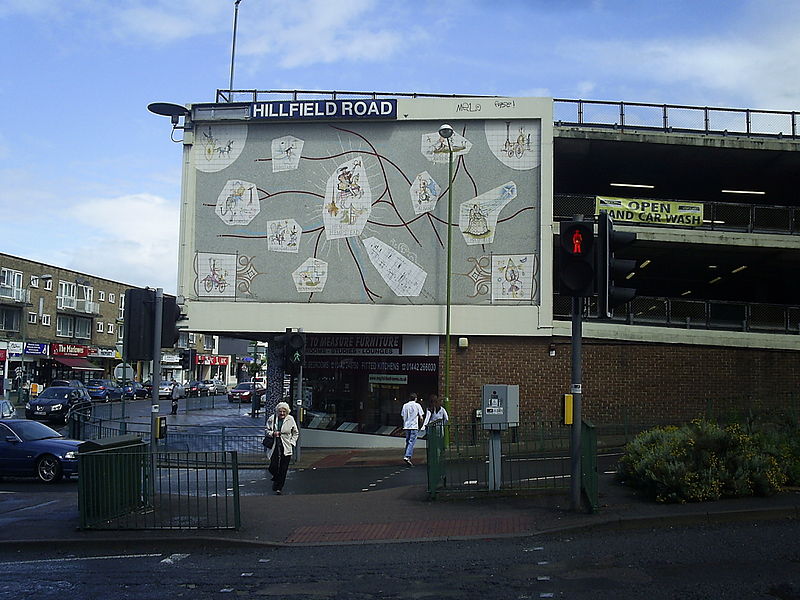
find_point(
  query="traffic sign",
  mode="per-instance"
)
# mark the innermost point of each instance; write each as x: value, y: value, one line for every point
x: 123, y: 371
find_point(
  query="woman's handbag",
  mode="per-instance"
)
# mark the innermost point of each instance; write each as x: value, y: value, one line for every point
x: 269, y: 440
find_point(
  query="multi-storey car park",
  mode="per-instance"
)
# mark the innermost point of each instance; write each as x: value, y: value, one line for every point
x: 329, y: 211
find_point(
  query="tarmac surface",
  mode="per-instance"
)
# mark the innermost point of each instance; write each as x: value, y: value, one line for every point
x: 394, y: 507
x: 32, y: 513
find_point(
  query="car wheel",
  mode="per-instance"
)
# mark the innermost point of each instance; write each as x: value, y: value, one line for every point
x: 48, y: 469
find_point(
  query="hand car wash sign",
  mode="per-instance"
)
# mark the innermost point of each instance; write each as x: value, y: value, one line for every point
x: 325, y: 109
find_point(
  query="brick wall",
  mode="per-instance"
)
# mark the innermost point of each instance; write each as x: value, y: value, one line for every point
x: 639, y: 383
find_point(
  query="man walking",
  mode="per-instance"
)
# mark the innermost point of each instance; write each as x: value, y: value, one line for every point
x: 412, y: 416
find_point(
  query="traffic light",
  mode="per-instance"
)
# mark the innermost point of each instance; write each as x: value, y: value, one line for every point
x: 139, y: 318
x: 294, y: 347
x: 609, y: 268
x: 576, y: 264
x: 188, y: 359
x: 137, y: 333
x: 170, y: 316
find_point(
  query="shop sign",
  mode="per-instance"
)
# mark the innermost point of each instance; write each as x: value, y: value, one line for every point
x: 209, y: 359
x: 172, y: 359
x: 31, y: 349
x: 353, y: 345
x: 388, y: 379
x: 418, y: 365
x: 103, y: 352
x: 73, y: 350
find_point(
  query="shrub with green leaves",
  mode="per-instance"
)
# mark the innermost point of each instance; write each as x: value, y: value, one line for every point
x: 704, y: 461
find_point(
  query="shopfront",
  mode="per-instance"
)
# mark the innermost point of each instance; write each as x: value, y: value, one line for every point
x: 70, y: 361
x: 360, y: 382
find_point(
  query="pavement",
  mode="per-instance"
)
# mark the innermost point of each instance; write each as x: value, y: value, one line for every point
x: 35, y: 514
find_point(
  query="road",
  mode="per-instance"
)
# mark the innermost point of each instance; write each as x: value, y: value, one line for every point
x: 735, y: 560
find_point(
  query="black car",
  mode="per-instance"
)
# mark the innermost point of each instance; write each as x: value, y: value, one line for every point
x: 194, y: 388
x: 66, y: 383
x: 57, y: 403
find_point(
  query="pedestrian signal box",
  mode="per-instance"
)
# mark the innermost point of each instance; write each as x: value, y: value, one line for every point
x: 500, y: 406
x: 576, y: 259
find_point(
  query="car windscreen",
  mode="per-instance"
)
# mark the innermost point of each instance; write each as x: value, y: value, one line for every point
x: 57, y: 393
x: 32, y: 430
x: 244, y: 386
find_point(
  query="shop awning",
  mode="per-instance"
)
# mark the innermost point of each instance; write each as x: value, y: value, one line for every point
x: 77, y: 364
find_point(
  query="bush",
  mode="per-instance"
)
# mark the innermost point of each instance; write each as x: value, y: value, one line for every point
x: 703, y: 461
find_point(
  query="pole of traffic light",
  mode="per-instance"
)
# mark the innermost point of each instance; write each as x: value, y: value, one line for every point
x: 156, y: 375
x: 575, y: 390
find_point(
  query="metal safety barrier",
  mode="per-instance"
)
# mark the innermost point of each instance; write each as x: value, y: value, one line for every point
x: 535, y: 456
x: 133, y: 488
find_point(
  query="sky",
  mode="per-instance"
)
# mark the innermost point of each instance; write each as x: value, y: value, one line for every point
x: 90, y: 180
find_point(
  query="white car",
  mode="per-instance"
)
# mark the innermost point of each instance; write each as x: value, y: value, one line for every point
x: 165, y: 389
x: 7, y: 410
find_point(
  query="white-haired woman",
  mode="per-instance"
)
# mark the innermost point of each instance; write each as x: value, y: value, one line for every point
x: 282, y: 426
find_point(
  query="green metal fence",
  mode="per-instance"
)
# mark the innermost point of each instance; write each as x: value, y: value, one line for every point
x: 534, y: 457
x: 132, y: 488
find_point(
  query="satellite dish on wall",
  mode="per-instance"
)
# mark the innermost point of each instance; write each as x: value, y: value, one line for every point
x: 168, y: 109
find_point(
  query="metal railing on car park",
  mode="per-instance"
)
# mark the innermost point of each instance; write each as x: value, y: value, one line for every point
x: 709, y: 120
x: 694, y: 314
x: 717, y: 216
x: 675, y: 118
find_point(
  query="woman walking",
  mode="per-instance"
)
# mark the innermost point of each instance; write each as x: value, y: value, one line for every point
x: 281, y: 426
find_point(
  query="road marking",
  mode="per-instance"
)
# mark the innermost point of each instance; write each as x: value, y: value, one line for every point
x: 35, y: 506
x: 78, y: 558
x: 173, y: 558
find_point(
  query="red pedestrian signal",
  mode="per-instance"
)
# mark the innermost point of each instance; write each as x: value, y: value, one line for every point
x: 576, y: 260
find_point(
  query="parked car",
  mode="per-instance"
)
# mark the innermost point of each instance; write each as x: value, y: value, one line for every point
x: 7, y: 410
x: 245, y: 392
x: 165, y: 389
x: 134, y: 389
x: 32, y: 449
x: 57, y: 403
x: 66, y: 383
x: 103, y: 389
x: 194, y: 388
x: 214, y: 387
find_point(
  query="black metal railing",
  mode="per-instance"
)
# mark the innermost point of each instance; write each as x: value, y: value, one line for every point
x: 694, y: 314
x: 717, y: 216
x: 708, y: 120
x: 675, y: 118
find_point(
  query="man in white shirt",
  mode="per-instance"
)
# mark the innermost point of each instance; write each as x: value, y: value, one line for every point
x: 412, y: 414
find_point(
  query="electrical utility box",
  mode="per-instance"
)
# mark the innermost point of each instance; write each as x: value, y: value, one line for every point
x: 500, y: 406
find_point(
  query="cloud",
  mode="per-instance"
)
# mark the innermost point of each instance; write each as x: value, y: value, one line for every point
x: 754, y: 62
x: 132, y: 239
x: 301, y: 34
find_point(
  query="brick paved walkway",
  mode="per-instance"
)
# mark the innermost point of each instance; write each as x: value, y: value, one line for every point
x: 410, y: 530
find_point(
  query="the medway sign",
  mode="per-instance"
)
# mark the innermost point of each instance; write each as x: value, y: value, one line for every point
x: 325, y: 109
x: 658, y: 212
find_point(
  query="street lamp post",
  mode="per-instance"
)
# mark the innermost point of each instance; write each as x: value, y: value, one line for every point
x: 446, y: 132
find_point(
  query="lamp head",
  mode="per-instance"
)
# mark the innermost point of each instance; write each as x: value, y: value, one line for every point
x: 445, y: 131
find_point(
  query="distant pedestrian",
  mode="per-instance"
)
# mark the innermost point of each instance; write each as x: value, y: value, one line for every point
x: 412, y: 416
x: 175, y: 395
x: 436, y: 413
x: 282, y: 426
